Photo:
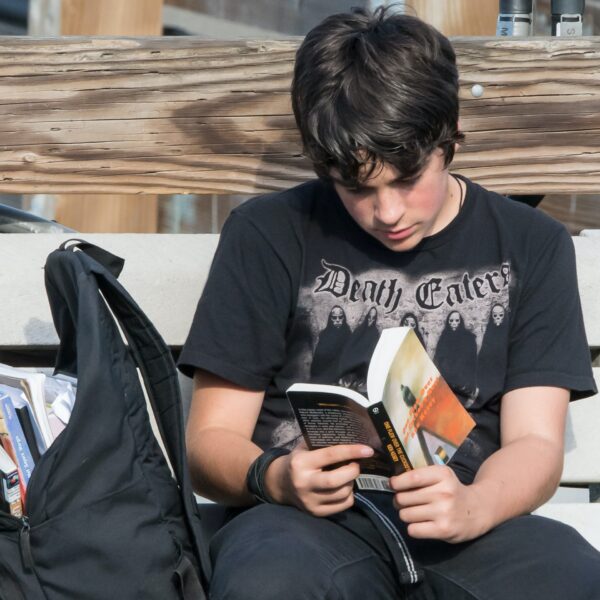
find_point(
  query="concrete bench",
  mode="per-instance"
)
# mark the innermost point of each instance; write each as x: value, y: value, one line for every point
x: 168, y: 285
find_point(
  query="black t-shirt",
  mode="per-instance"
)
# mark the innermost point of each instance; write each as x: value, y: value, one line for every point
x: 299, y: 292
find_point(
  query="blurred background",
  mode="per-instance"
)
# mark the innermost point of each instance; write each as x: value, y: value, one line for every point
x: 230, y: 19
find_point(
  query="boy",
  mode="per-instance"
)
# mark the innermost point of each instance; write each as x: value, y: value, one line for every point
x: 387, y: 231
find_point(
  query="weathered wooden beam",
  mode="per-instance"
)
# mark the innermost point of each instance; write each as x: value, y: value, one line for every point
x: 110, y: 213
x: 165, y: 115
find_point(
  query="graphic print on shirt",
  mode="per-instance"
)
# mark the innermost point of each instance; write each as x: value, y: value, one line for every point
x: 458, y: 317
x: 461, y: 318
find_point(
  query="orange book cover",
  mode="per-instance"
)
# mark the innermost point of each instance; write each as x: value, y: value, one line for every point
x: 426, y: 414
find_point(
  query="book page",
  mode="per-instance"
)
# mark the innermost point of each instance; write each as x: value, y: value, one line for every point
x: 389, y: 341
x: 327, y: 419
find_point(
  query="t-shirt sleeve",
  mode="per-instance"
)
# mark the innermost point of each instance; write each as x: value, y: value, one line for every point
x: 238, y: 330
x: 548, y: 345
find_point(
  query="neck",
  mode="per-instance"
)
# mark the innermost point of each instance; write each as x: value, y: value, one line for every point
x: 452, y: 206
x: 456, y: 190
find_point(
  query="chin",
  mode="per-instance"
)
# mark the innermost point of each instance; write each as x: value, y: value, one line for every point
x: 400, y: 245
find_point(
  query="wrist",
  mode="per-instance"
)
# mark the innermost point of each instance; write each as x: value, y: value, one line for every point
x: 256, y: 477
x: 275, y: 478
x: 483, y: 506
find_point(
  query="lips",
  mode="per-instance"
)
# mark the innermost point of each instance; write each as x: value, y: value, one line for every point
x: 399, y: 234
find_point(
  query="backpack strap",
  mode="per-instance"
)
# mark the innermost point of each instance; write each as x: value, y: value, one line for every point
x: 114, y: 264
x: 157, y: 367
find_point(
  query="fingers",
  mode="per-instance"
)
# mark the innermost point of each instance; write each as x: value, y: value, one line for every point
x: 427, y: 530
x: 330, y: 508
x: 413, y: 497
x: 337, y: 496
x: 431, y: 501
x: 421, y: 478
x: 336, y: 478
x: 318, y: 484
x: 417, y: 514
x: 316, y: 481
x: 325, y: 457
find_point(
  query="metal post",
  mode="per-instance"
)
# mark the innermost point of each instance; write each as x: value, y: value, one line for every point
x: 567, y: 17
x: 515, y: 18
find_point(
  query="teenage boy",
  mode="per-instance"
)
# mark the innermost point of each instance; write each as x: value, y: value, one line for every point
x: 386, y: 230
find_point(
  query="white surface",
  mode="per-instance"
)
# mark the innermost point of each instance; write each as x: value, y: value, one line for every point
x: 583, y: 517
x: 571, y: 494
x: 582, y: 440
x: 587, y: 249
x: 164, y: 273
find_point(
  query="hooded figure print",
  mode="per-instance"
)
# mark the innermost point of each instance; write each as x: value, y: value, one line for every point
x: 492, y: 358
x: 456, y: 356
x: 332, y: 340
x: 355, y: 358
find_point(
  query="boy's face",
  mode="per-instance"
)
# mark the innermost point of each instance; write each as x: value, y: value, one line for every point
x: 400, y: 214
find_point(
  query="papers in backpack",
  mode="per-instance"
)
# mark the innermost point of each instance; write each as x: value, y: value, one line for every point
x: 50, y: 399
x: 410, y: 416
x: 32, y: 384
x: 11, y: 428
x: 10, y: 493
x: 60, y: 391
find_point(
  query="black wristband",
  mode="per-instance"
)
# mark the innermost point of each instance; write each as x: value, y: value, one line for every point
x: 255, y: 479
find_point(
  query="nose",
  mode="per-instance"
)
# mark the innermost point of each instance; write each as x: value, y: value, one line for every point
x: 388, y: 207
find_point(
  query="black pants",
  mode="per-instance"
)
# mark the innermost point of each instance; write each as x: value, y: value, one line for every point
x: 274, y: 552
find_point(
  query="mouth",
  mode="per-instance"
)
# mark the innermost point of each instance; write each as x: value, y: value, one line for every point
x: 398, y: 234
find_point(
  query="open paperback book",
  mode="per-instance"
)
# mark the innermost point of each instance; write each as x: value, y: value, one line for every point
x: 411, y: 416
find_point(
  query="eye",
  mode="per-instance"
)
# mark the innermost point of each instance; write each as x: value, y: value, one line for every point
x: 407, y: 183
x: 357, y: 191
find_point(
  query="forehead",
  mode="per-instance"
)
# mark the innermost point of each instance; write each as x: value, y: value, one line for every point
x: 369, y: 174
x: 381, y: 173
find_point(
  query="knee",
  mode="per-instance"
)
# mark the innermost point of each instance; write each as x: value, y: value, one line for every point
x: 294, y: 573
x: 274, y: 552
x: 266, y: 556
x: 271, y: 572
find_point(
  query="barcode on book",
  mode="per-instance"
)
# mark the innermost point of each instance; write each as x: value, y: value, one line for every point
x: 377, y: 483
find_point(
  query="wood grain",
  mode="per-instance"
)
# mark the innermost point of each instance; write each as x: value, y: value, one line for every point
x: 111, y: 17
x: 110, y: 213
x: 458, y: 17
x: 167, y: 115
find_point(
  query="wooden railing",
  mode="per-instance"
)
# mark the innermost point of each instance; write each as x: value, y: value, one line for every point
x: 177, y: 115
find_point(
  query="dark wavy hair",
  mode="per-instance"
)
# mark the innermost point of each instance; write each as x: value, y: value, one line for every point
x: 372, y: 88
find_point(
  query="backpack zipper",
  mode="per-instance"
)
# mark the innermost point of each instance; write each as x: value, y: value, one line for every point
x: 25, y: 544
x: 22, y: 526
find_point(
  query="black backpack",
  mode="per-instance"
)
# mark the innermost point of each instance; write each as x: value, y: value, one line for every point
x: 106, y: 518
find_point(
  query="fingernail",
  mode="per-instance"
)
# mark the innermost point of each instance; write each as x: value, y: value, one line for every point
x: 367, y: 451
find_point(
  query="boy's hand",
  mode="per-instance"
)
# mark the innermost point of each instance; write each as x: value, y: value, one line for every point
x: 306, y: 480
x: 436, y: 505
